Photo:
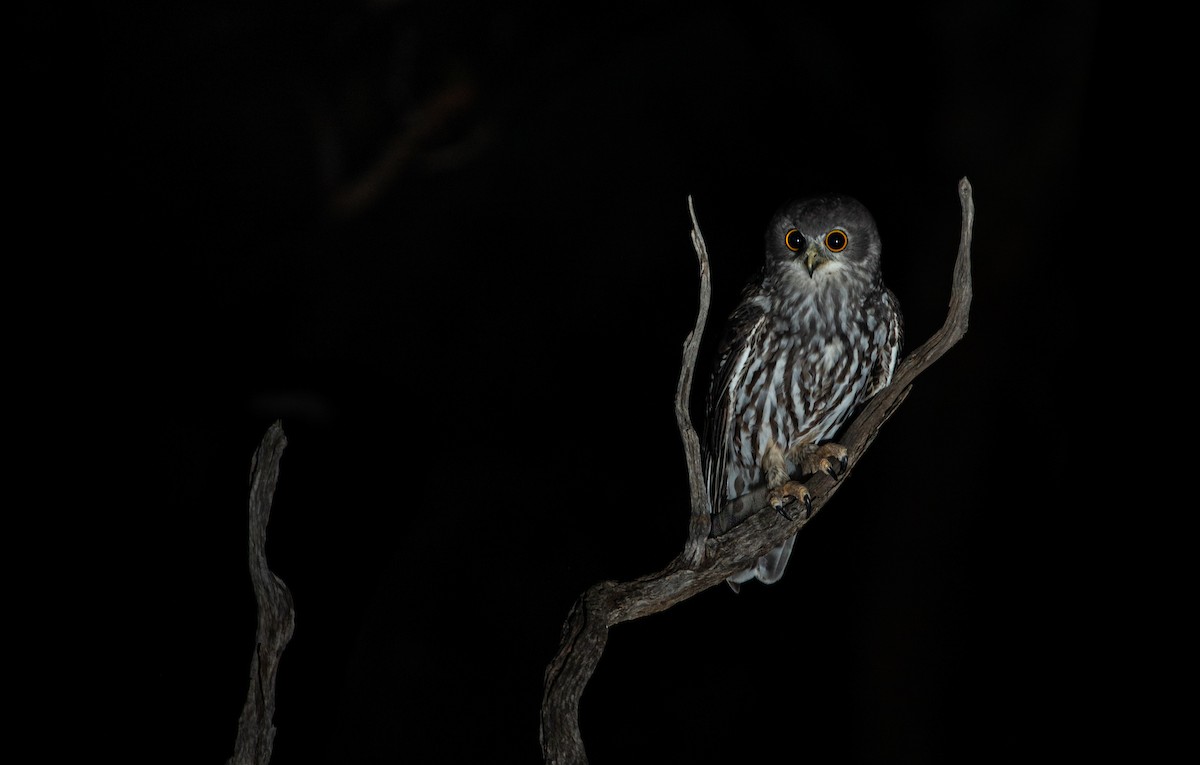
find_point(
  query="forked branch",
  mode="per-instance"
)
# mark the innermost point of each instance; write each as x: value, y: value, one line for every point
x: 739, y: 534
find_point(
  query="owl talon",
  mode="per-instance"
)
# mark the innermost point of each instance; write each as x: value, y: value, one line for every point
x: 828, y: 458
x: 779, y: 501
x: 783, y: 495
x: 834, y: 470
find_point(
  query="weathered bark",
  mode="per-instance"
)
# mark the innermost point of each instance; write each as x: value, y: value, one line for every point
x: 700, y: 520
x: 742, y: 532
x: 276, y: 616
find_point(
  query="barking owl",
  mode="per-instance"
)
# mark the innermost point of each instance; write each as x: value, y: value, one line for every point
x: 816, y: 334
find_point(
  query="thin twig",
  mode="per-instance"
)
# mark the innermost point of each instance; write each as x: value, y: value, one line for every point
x: 607, y: 603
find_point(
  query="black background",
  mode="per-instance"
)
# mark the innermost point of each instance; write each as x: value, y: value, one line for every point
x: 475, y: 370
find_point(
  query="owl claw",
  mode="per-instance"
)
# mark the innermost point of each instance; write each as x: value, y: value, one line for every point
x: 828, y: 458
x: 828, y: 468
x: 781, y: 496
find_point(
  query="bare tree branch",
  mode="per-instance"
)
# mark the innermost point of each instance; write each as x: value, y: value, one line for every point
x: 698, y: 528
x: 744, y: 531
x: 276, y: 616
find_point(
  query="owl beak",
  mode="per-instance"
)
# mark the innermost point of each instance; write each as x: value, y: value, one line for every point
x: 812, y: 258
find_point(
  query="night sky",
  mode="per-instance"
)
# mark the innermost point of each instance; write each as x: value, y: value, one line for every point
x: 447, y: 245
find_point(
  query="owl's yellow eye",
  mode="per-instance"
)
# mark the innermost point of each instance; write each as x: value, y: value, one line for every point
x: 794, y: 240
x: 836, y: 240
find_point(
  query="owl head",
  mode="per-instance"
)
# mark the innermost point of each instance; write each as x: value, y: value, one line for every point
x: 822, y: 240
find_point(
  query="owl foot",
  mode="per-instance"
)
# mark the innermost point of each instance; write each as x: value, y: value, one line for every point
x: 781, y: 496
x: 828, y: 458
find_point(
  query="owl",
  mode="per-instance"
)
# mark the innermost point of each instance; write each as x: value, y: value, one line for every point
x: 815, y: 335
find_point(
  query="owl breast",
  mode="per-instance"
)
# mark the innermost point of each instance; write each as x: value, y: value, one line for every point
x: 801, y: 385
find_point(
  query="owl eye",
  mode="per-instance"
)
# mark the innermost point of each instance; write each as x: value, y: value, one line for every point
x: 794, y: 240
x: 836, y: 240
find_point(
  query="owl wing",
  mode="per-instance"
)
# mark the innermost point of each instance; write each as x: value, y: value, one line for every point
x: 893, y: 344
x: 746, y: 322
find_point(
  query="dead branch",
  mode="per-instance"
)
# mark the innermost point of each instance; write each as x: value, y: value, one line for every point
x: 700, y: 523
x: 276, y: 616
x: 741, y: 533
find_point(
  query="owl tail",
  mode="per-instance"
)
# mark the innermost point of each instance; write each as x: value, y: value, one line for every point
x: 768, y: 569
